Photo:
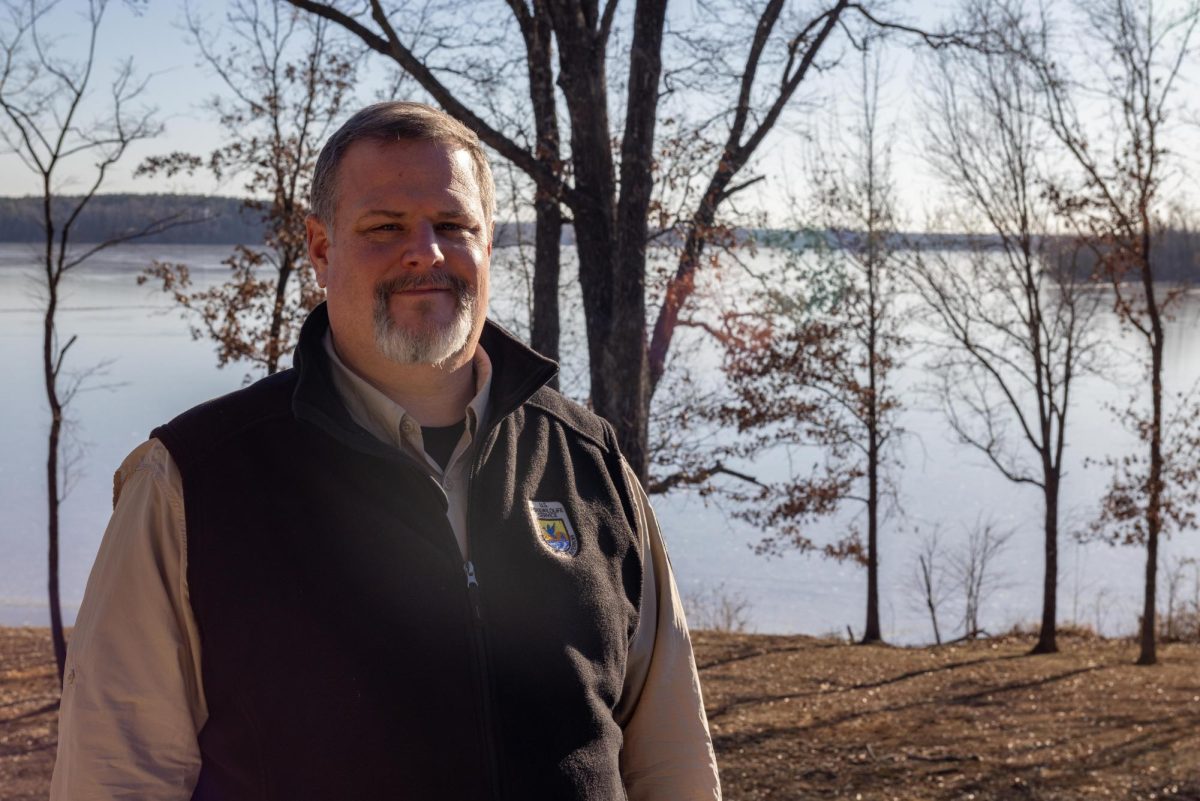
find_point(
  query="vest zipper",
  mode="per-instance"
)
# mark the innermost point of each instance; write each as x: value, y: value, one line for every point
x: 483, y: 683
x: 473, y: 592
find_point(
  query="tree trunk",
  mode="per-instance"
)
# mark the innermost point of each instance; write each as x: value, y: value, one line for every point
x: 683, y: 282
x: 273, y: 349
x: 544, y: 328
x: 626, y: 394
x: 929, y: 600
x: 610, y: 230
x: 582, y: 78
x: 1148, y: 654
x: 1047, y: 636
x: 872, y: 631
x: 53, y: 500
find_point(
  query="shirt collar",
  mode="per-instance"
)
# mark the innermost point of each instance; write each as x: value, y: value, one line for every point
x: 385, y: 419
x: 518, y: 373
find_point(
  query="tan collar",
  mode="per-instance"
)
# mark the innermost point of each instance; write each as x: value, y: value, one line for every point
x: 387, y: 420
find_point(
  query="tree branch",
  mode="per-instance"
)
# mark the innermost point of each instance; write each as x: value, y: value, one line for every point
x: 662, y: 485
x: 391, y: 46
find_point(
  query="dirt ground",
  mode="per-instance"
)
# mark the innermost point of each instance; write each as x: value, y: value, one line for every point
x: 802, y: 718
x: 28, y: 713
x: 798, y: 718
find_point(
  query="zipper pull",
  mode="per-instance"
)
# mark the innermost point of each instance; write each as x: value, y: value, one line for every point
x: 473, y: 591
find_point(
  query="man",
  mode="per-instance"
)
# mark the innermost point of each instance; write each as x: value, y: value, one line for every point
x: 404, y: 568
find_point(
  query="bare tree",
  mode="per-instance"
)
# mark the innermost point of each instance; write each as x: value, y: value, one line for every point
x: 929, y: 579
x: 973, y: 569
x: 43, y: 96
x: 1177, y: 614
x: 288, y: 82
x: 1012, y: 316
x: 1123, y: 164
x: 1183, y: 613
x: 609, y: 185
x: 864, y: 197
x: 809, y: 362
x: 717, y: 608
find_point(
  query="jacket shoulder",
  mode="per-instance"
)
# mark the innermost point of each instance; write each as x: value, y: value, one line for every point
x: 576, y: 417
x: 204, y: 428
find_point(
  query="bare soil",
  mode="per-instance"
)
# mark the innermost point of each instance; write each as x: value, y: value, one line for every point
x: 28, y: 713
x: 804, y: 718
x: 796, y: 717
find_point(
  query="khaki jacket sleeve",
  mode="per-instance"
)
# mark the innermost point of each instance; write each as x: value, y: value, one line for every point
x: 668, y: 752
x: 132, y: 701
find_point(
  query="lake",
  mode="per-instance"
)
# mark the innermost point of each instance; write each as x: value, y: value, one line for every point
x: 155, y: 370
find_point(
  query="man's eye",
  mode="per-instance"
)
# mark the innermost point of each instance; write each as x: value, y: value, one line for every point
x: 449, y: 226
x: 386, y: 227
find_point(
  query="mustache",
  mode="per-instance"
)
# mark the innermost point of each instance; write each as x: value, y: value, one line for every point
x: 433, y: 280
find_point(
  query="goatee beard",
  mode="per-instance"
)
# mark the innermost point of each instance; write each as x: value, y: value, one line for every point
x: 424, y: 343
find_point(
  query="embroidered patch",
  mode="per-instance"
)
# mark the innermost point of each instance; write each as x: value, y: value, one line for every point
x: 554, y: 527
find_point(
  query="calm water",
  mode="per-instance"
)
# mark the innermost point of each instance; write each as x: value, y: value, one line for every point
x: 156, y: 370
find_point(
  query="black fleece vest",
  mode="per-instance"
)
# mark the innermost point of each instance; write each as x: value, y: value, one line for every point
x: 345, y: 652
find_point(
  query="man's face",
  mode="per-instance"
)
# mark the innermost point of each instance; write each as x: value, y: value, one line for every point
x: 405, y: 264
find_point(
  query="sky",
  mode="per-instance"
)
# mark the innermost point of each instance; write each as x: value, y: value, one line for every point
x: 176, y: 88
x: 152, y: 34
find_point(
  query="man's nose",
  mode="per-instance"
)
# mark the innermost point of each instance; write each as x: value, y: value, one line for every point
x: 421, y: 248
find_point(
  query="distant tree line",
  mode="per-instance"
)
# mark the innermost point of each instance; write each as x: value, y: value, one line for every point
x: 218, y: 220
x: 1175, y: 256
x: 221, y: 220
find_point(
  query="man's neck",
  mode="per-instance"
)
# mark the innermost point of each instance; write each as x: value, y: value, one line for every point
x: 433, y: 396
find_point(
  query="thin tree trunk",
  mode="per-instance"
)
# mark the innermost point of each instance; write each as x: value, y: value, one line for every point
x: 56, y: 623
x: 273, y: 354
x: 927, y: 572
x: 872, y: 631
x: 683, y: 283
x: 50, y: 364
x: 1148, y: 654
x: 1047, y: 637
x: 53, y: 499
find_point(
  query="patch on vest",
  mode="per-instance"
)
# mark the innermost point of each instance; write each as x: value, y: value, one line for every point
x: 554, y: 527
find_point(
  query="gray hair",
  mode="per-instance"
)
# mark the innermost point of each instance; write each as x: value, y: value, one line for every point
x: 397, y: 121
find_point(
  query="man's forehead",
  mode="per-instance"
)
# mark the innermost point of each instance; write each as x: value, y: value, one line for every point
x: 408, y: 154
x: 390, y: 170
x: 398, y: 202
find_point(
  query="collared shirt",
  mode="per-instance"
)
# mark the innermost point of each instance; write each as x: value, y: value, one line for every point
x: 133, y: 700
x: 388, y: 421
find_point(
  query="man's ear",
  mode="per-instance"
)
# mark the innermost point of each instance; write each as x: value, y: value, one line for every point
x: 318, y: 239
